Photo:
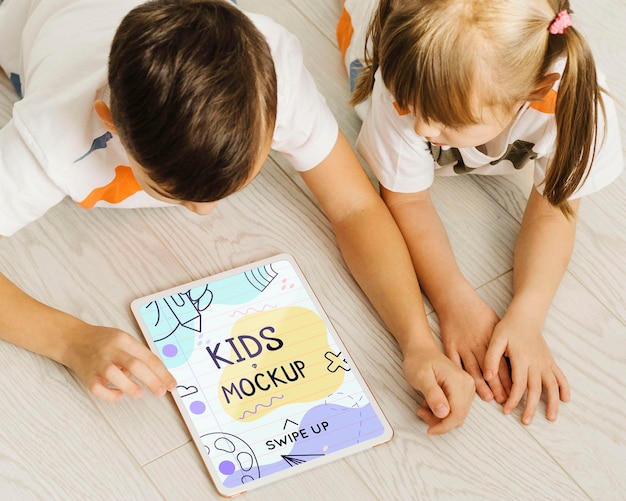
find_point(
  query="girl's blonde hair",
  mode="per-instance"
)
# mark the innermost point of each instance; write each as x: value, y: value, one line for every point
x: 450, y: 59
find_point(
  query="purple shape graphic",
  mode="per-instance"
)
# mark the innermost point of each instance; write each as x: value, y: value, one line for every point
x: 330, y: 428
x: 197, y: 407
x: 227, y: 467
x: 169, y: 350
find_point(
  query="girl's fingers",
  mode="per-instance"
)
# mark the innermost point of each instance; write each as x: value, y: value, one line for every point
x: 551, y: 387
x: 564, y: 389
x: 520, y: 383
x: 472, y: 367
x: 533, y: 396
x: 493, y: 357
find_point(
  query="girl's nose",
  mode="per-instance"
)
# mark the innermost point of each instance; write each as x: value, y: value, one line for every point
x: 427, y: 129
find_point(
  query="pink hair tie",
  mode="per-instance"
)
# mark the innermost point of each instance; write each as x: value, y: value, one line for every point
x: 561, y: 22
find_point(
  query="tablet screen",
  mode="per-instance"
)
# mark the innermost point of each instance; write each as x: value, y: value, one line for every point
x: 265, y: 386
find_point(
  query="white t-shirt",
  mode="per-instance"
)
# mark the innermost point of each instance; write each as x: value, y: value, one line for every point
x: 405, y: 162
x: 56, y: 54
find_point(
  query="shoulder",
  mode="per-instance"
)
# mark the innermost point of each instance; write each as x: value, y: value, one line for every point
x: 306, y: 129
x: 285, y: 47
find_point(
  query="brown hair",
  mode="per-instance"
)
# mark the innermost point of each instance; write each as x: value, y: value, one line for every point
x: 193, y: 95
x: 487, y: 53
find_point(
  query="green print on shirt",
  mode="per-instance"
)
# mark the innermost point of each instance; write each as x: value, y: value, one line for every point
x: 518, y: 153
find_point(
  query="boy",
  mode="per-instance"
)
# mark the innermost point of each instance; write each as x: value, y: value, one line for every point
x: 197, y: 94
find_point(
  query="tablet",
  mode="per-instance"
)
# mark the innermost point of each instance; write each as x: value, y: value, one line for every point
x: 265, y: 385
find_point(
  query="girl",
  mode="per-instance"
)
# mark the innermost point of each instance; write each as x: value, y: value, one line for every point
x: 482, y: 86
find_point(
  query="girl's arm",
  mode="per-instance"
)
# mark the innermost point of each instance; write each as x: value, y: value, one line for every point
x: 467, y: 323
x: 378, y: 259
x: 542, y: 252
x: 100, y: 356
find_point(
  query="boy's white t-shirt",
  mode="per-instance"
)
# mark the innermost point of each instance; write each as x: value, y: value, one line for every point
x: 56, y: 55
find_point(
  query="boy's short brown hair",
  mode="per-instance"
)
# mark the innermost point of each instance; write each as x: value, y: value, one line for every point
x: 193, y: 95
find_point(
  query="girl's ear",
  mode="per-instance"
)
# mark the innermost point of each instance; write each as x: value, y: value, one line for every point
x: 543, y: 87
x: 104, y: 112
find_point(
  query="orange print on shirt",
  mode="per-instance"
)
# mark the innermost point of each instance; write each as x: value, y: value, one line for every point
x: 547, y: 104
x: 399, y: 110
x: 123, y: 186
x: 344, y: 32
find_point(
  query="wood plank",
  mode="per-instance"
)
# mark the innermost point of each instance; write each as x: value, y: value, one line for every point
x: 54, y: 443
x: 589, y: 438
x: 181, y: 475
x: 414, y: 454
x: 92, y: 265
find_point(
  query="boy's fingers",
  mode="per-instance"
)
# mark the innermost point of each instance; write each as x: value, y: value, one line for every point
x: 165, y: 377
x: 453, y: 420
x: 154, y: 364
x: 444, y: 412
x: 436, y: 426
x: 437, y: 401
x: 427, y: 415
x: 147, y: 376
x: 116, y: 377
x: 440, y: 428
x: 100, y: 391
x: 455, y: 356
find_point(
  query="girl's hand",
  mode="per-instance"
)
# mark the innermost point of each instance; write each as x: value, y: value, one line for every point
x: 107, y: 360
x: 447, y: 389
x: 467, y: 325
x: 532, y: 367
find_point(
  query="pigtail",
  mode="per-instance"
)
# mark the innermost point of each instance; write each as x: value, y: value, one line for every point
x: 365, y: 82
x: 577, y: 105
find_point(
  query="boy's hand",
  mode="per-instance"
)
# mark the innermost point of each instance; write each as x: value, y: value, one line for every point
x: 107, y: 360
x: 447, y: 389
x: 532, y: 367
x: 466, y: 329
x: 103, y: 358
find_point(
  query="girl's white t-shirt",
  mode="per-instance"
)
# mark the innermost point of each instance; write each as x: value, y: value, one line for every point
x: 56, y: 55
x: 405, y: 162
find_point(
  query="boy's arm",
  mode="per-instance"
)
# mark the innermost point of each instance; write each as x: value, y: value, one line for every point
x: 378, y: 259
x: 103, y: 358
x: 467, y: 322
x: 542, y: 252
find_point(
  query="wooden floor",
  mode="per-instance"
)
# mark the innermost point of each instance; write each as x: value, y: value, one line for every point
x: 58, y: 442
